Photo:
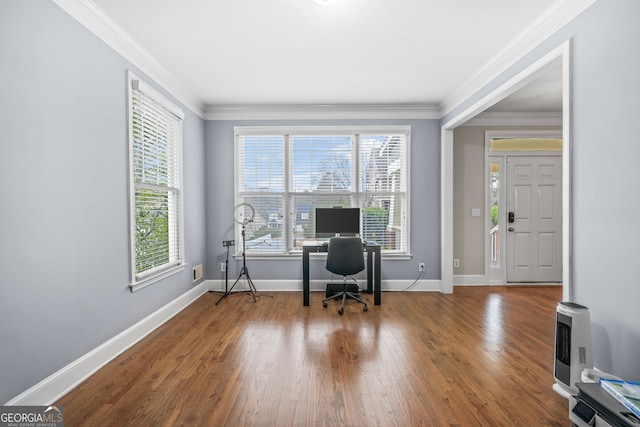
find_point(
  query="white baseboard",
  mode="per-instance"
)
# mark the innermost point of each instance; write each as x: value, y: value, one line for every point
x: 319, y: 285
x: 469, y: 280
x: 52, y: 388
x: 481, y: 280
x: 412, y: 285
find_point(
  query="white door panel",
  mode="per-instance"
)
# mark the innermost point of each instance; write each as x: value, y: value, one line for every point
x: 522, y: 247
x: 547, y: 250
x: 534, y: 238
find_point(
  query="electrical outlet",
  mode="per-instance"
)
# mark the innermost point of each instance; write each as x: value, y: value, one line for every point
x: 456, y: 263
x: 421, y: 267
x: 223, y: 267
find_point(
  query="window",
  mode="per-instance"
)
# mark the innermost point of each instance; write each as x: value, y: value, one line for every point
x: 286, y: 173
x: 155, y: 159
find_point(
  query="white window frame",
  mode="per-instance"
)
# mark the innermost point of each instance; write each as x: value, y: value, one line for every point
x: 171, y: 112
x: 286, y: 132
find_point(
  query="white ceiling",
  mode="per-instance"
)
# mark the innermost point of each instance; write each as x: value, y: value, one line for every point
x: 288, y: 52
x: 543, y: 94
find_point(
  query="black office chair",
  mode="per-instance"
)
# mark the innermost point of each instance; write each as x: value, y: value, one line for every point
x: 345, y: 257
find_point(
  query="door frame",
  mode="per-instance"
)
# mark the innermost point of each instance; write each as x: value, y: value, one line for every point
x: 563, y: 51
x: 499, y: 276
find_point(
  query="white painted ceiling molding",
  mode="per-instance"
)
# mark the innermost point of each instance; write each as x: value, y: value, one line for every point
x: 515, y: 119
x: 552, y: 19
x: 308, y: 112
x: 92, y: 17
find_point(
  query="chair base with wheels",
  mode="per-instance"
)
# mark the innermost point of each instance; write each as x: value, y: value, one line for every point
x: 344, y: 295
x: 345, y: 257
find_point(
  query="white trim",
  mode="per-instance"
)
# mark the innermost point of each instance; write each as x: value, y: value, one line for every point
x: 91, y: 16
x: 312, y: 255
x: 323, y: 130
x: 446, y: 210
x: 52, y: 388
x: 567, y: 213
x: 446, y: 154
x: 524, y: 133
x: 476, y: 280
x: 311, y: 112
x: 469, y: 280
x: 516, y: 119
x: 318, y: 285
x: 416, y: 286
x: 287, y: 193
x: 136, y: 83
x: 153, y: 275
x: 552, y: 19
x: 509, y: 87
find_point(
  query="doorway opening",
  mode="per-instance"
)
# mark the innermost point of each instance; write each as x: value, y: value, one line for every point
x: 561, y: 53
x: 523, y: 176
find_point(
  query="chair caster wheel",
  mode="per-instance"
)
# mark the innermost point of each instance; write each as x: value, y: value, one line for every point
x: 341, y: 311
x: 365, y: 308
x: 324, y: 304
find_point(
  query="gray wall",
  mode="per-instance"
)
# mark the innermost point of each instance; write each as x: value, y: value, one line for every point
x: 605, y: 174
x: 425, y: 202
x: 64, y: 245
x: 64, y: 261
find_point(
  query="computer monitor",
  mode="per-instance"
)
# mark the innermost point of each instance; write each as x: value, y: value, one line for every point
x: 332, y: 222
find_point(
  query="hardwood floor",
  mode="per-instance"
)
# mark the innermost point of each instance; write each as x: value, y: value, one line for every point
x: 482, y: 356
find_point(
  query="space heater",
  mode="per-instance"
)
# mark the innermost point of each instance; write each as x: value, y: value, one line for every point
x: 573, y: 346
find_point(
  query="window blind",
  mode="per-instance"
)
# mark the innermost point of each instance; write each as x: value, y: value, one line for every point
x: 383, y: 183
x: 260, y: 160
x: 156, y: 175
x: 285, y: 174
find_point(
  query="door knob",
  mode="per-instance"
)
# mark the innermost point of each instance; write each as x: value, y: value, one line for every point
x: 511, y: 229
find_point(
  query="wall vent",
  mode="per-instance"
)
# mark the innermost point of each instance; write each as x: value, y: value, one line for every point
x: 197, y: 273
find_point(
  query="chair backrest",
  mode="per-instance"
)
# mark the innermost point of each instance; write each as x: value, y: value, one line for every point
x: 345, y: 256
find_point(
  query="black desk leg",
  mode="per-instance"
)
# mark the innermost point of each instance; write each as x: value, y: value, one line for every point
x: 305, y: 277
x: 377, y: 280
x: 370, y: 257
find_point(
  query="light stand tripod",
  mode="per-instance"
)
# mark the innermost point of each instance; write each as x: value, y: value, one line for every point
x: 244, y: 271
x: 227, y: 244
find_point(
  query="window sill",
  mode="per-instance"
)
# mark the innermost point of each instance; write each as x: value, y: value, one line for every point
x: 149, y: 280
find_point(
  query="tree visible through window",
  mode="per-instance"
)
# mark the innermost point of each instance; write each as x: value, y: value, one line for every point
x: 155, y: 154
x: 286, y: 174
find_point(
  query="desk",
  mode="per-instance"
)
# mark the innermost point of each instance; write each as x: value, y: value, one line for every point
x: 608, y: 411
x: 373, y: 269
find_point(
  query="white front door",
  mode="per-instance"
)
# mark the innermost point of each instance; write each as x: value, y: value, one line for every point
x: 534, y: 219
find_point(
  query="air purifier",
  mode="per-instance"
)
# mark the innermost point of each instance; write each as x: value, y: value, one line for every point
x: 573, y: 351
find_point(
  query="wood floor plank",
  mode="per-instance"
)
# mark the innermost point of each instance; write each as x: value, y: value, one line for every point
x: 482, y: 356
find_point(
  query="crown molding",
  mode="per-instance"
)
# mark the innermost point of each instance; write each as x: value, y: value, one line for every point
x: 515, y: 119
x: 552, y: 19
x: 91, y: 16
x: 322, y: 112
